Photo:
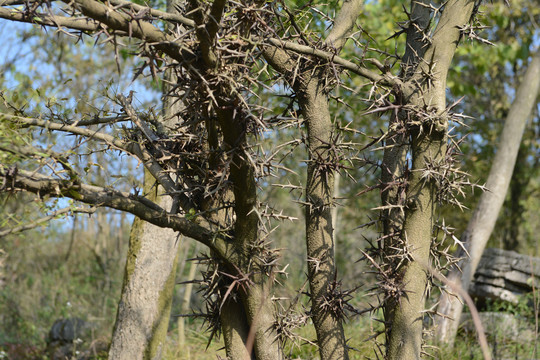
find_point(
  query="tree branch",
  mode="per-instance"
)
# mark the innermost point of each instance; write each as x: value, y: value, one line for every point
x: 386, y: 79
x: 99, y: 196
x: 82, y: 24
x: 206, y: 33
x: 416, y: 36
x: 44, y: 219
x: 344, y: 23
x: 95, y: 120
x: 36, y: 151
x: 162, y: 15
x: 132, y: 148
x: 92, y: 134
x: 438, y: 56
x: 140, y: 29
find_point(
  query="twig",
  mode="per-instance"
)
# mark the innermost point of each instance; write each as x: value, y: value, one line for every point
x: 44, y: 219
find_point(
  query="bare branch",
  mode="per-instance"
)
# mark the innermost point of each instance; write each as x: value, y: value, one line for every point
x: 82, y: 24
x: 100, y: 120
x: 132, y: 148
x: 135, y: 118
x: 36, y: 151
x: 157, y: 13
x: 140, y: 29
x: 386, y: 79
x: 344, y: 23
x: 206, y: 33
x: 92, y: 134
x: 99, y: 196
x: 12, y: 2
x: 418, y: 26
x: 54, y: 214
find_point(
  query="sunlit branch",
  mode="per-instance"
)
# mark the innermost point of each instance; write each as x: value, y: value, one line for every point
x: 135, y: 118
x: 81, y: 24
x: 344, y: 23
x: 36, y: 151
x: 100, y: 120
x: 106, y: 197
x: 91, y: 134
x: 157, y: 13
x: 386, y: 79
x: 41, y: 221
x: 132, y: 148
x: 137, y: 28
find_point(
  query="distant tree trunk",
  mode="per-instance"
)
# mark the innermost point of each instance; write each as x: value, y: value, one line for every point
x: 513, y: 211
x: 144, y: 309
x: 145, y: 305
x: 485, y: 215
x: 149, y: 279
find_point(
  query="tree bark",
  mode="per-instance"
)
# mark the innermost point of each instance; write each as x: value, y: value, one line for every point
x: 144, y: 310
x: 395, y: 151
x: 427, y: 127
x: 327, y: 319
x: 145, y: 305
x: 485, y: 214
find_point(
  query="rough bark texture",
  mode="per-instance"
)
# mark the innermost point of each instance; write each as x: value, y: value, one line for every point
x: 319, y: 237
x: 394, y: 157
x: 485, y: 214
x: 428, y: 145
x: 144, y: 309
x: 259, y: 309
x: 145, y: 306
x: 235, y: 330
x: 320, y: 184
x: 406, y: 332
x: 327, y: 318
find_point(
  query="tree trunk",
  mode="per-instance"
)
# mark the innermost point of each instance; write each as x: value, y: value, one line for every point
x: 485, y: 215
x: 145, y: 305
x: 327, y: 315
x: 394, y: 159
x: 427, y: 127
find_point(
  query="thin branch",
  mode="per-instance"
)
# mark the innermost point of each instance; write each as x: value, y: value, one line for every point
x: 99, y: 196
x: 176, y: 18
x: 344, y: 23
x: 100, y: 120
x: 132, y: 148
x: 82, y: 24
x: 458, y: 289
x: 92, y: 134
x: 44, y: 219
x: 386, y: 79
x: 135, y: 118
x: 37, y: 151
x: 137, y: 28
x: 12, y: 2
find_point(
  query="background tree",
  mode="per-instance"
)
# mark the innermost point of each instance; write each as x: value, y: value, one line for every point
x: 485, y: 215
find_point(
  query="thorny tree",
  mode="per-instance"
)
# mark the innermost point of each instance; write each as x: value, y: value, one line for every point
x: 204, y: 159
